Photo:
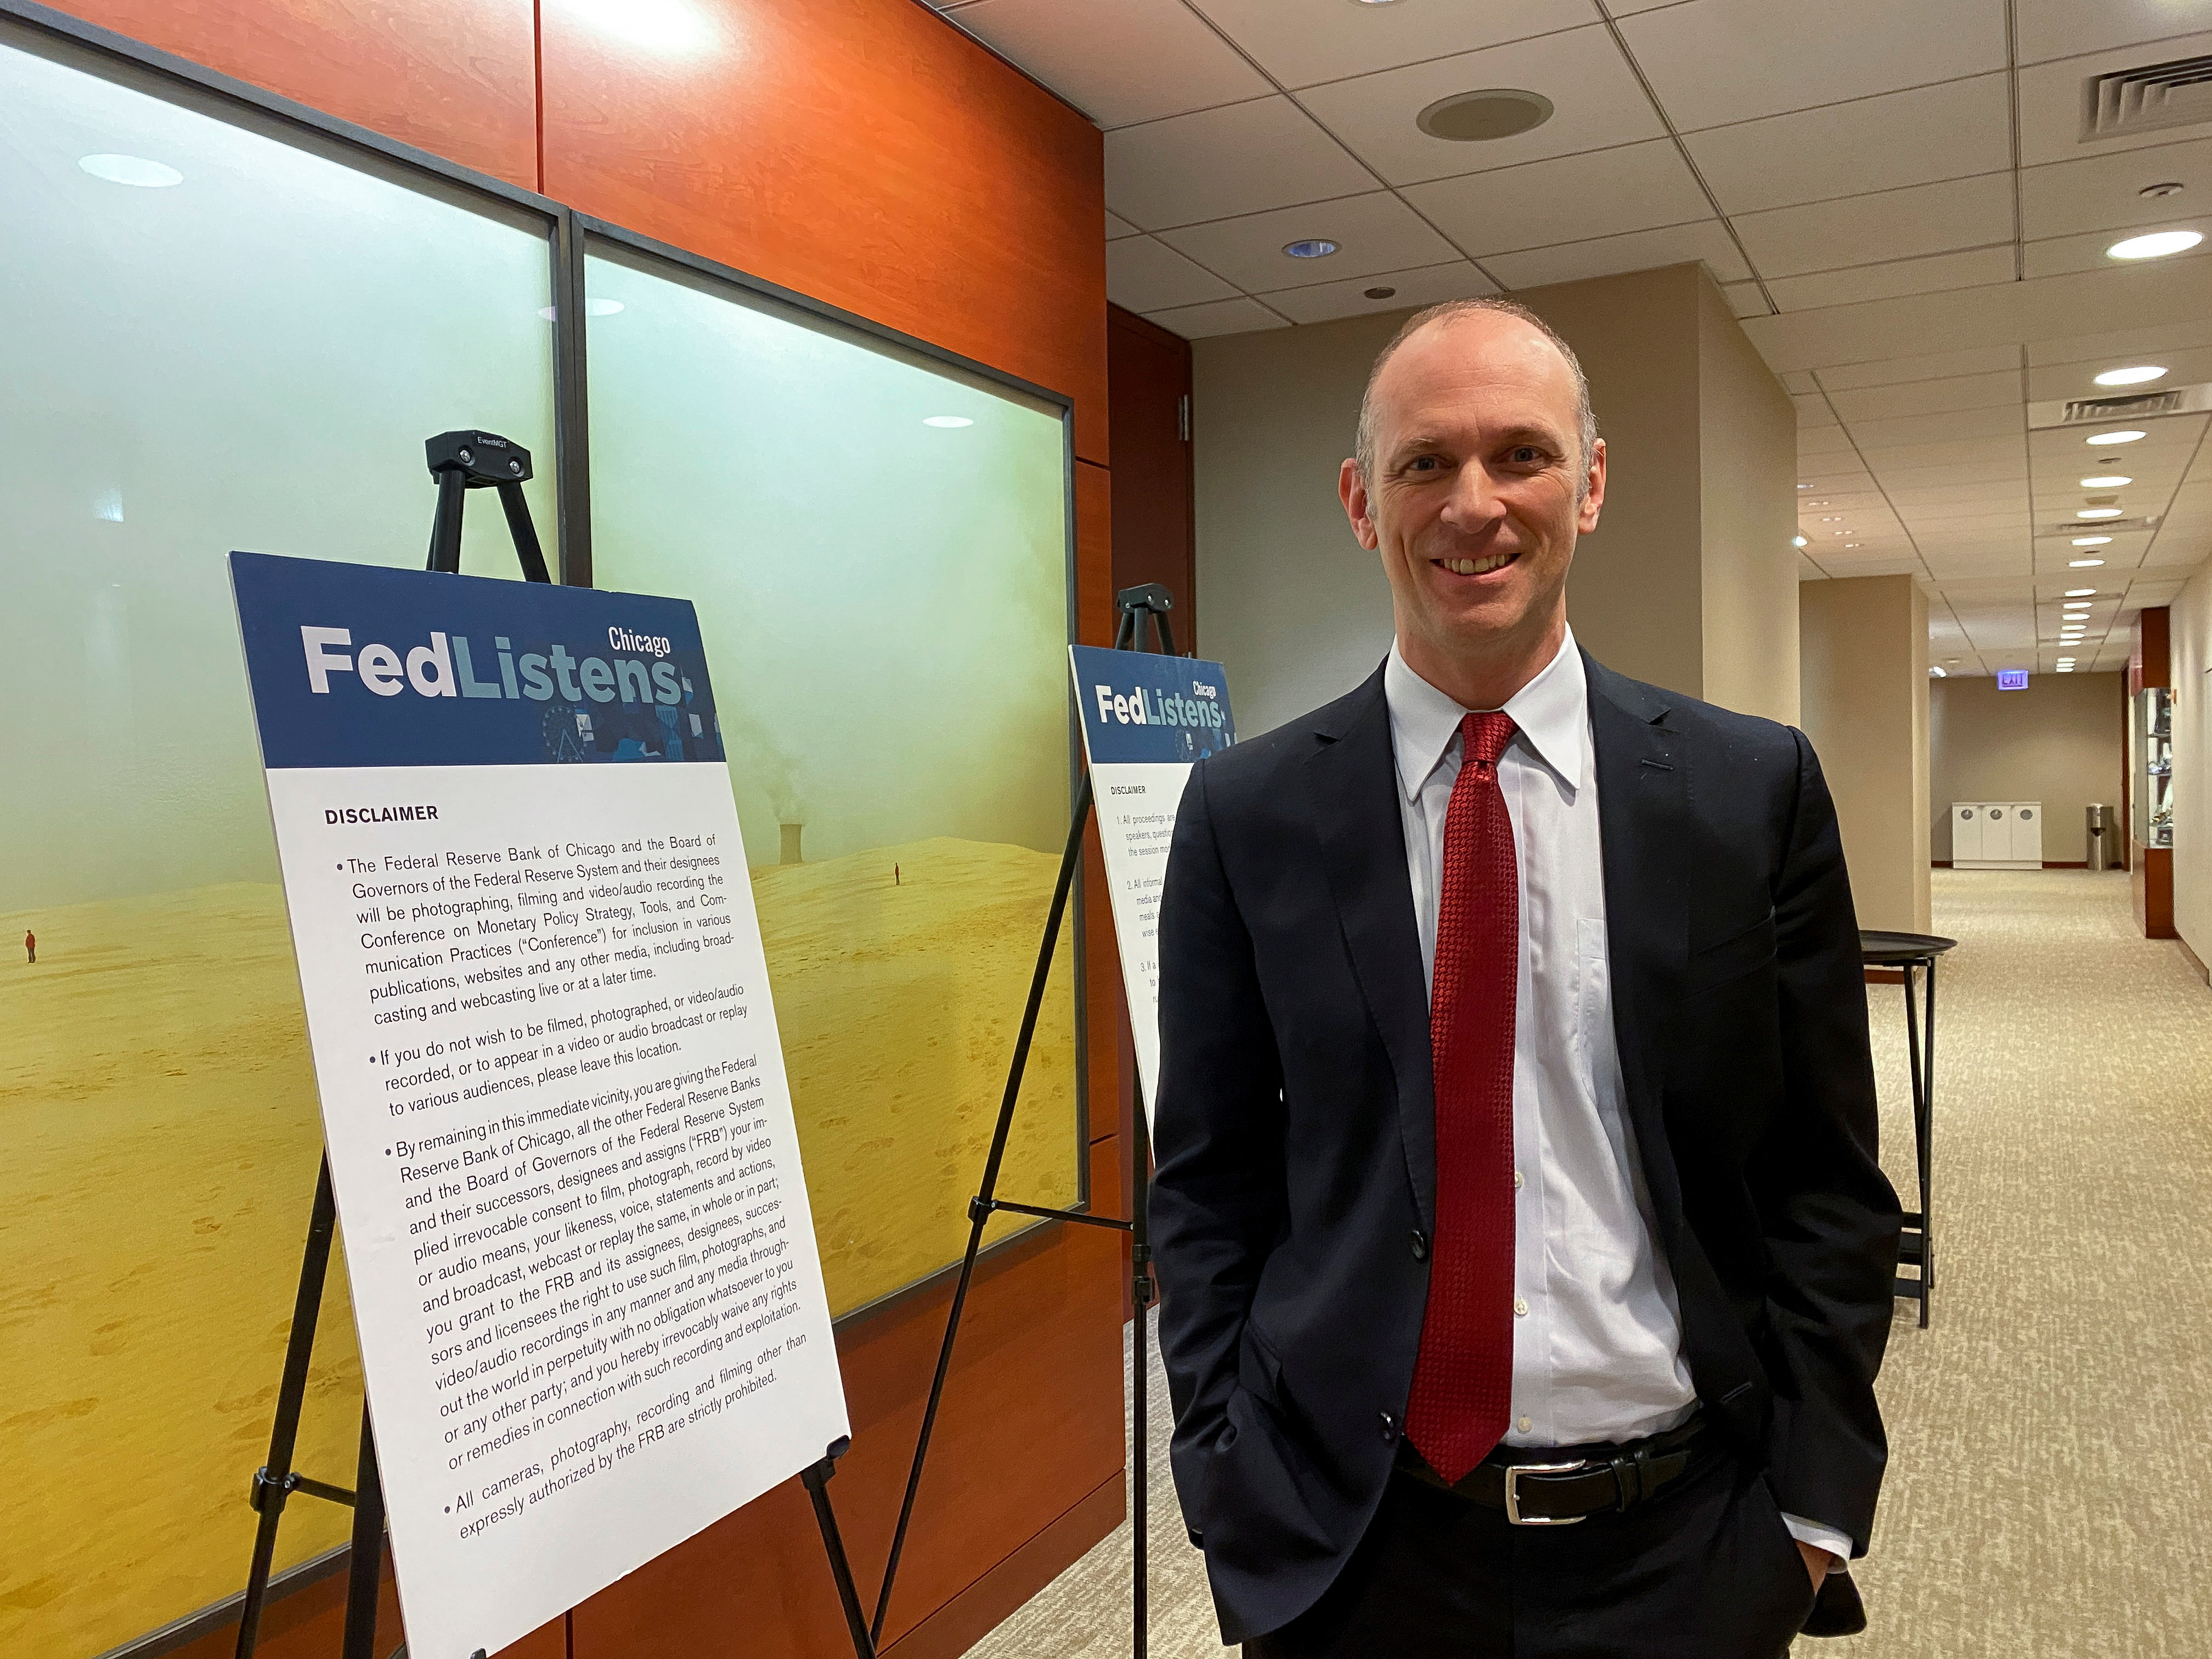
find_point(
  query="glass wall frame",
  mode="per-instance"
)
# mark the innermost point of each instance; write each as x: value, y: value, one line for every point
x: 565, y: 466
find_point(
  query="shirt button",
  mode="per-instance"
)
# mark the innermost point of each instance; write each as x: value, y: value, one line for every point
x: 1390, y: 1428
x: 1420, y: 1245
x: 1524, y: 1425
x: 1521, y: 1306
x: 1516, y: 1180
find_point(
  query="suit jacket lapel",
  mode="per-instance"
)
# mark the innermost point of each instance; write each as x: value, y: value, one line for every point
x: 1642, y: 794
x: 1354, y: 780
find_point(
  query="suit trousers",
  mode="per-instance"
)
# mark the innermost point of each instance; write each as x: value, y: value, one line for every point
x: 1703, y: 1570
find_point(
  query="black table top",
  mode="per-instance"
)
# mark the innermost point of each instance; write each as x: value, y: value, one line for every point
x: 1878, y: 948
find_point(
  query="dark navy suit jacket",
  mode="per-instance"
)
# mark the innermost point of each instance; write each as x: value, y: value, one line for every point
x: 1295, y: 1135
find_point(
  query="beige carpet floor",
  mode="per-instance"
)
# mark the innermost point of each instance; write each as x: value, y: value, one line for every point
x: 2051, y: 1434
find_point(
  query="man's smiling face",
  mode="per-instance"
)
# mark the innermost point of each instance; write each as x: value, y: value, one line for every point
x: 1479, y: 487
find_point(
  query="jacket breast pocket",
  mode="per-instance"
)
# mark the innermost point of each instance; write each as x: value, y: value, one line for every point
x: 1740, y: 953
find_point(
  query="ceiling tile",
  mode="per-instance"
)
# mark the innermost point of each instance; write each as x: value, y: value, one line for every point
x: 1596, y: 99
x: 1117, y: 227
x: 1117, y: 60
x: 1245, y: 158
x: 1144, y: 274
x: 1823, y: 440
x: 1810, y: 571
x: 1715, y: 61
x: 1931, y: 396
x: 1975, y: 268
x: 2063, y: 28
x: 2051, y: 102
x: 1812, y: 411
x: 1888, y: 461
x: 1902, y: 472
x: 1641, y: 250
x: 1902, y: 138
x: 2061, y: 254
x: 2077, y: 348
x: 1893, y: 370
x: 1301, y: 42
x: 1894, y: 224
x: 1746, y: 300
x: 2078, y: 380
x: 1240, y: 316
x: 2104, y: 192
x: 1798, y: 380
x: 1424, y: 287
x: 1569, y: 199
x: 1374, y: 234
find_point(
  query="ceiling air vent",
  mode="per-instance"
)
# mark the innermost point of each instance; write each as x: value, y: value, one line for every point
x: 2148, y: 99
x: 2107, y: 412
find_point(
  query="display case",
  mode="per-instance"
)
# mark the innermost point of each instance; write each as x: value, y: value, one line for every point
x: 2150, y: 760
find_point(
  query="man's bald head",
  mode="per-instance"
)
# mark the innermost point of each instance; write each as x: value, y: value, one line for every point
x: 1441, y: 316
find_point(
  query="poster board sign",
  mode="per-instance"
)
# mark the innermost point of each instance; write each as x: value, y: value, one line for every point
x: 591, y: 1312
x: 1147, y: 720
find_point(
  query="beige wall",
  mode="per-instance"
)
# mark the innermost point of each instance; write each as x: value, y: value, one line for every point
x: 1864, y: 659
x: 1747, y: 460
x: 2060, y: 742
x: 2190, y: 620
x: 1689, y: 581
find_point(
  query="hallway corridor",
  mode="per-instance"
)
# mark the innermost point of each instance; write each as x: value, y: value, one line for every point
x: 2050, y: 1433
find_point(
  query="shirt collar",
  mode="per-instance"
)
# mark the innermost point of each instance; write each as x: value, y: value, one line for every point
x: 1552, y: 711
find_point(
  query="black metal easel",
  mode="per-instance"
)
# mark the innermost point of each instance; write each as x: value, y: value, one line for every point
x: 1136, y: 605
x: 460, y: 461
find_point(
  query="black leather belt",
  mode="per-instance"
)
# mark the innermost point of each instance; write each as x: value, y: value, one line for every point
x: 1558, y: 1491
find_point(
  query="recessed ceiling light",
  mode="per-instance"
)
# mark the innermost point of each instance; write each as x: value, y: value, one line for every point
x: 2101, y: 439
x: 2135, y: 376
x: 1832, y: 518
x: 2065, y: 668
x: 1796, y: 541
x: 1850, y: 543
x: 2098, y: 513
x: 131, y: 170
x: 2156, y: 245
x: 1816, y: 503
x: 2083, y: 564
x: 2106, y: 480
x: 1937, y: 672
x: 2091, y: 541
x: 1804, y: 486
x: 1951, y: 660
x: 947, y: 420
x: 1313, y: 247
x: 1468, y: 117
x: 1378, y: 293
x: 2079, y: 592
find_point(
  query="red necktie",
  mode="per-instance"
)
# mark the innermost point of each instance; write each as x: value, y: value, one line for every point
x: 1463, y: 1380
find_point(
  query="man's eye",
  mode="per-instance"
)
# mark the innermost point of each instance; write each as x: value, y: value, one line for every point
x: 1526, y: 455
x: 1423, y: 464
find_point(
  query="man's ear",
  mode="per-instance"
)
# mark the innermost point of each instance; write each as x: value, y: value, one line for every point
x: 1594, y: 491
x: 1352, y: 490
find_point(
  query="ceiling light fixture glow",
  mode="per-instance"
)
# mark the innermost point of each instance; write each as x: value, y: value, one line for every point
x: 2098, y: 513
x: 1313, y: 247
x: 2106, y: 481
x: 1796, y: 541
x: 948, y: 422
x: 2135, y: 376
x: 2083, y: 564
x: 131, y: 170
x: 2100, y: 440
x: 2091, y: 541
x: 671, y: 26
x: 2156, y: 245
x: 2079, y: 592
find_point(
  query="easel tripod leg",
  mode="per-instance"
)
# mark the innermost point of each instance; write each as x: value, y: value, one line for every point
x: 272, y: 1484
x: 816, y: 1480
x: 366, y: 1568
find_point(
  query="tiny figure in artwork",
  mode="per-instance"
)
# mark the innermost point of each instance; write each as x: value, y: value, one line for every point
x: 31, y: 947
x: 895, y: 882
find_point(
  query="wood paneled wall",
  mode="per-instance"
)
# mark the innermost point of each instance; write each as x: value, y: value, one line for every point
x: 865, y: 153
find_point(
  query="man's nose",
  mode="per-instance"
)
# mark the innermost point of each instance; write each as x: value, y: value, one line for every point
x: 1474, y: 503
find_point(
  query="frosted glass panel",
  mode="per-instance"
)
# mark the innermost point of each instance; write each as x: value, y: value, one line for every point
x: 878, y: 547
x: 250, y: 355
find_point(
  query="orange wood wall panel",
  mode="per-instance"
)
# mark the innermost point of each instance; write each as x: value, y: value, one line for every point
x: 864, y: 152
x: 455, y: 77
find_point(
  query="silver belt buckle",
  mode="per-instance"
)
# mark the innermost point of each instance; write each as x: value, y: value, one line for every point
x: 1513, y: 1473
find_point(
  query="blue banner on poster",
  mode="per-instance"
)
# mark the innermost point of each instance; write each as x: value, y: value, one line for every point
x: 357, y: 665
x: 1140, y: 708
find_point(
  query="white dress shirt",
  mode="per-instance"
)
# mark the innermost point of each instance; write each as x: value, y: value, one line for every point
x: 1597, y: 1349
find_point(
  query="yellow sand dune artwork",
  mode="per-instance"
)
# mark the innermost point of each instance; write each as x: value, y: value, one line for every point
x: 162, y: 1136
